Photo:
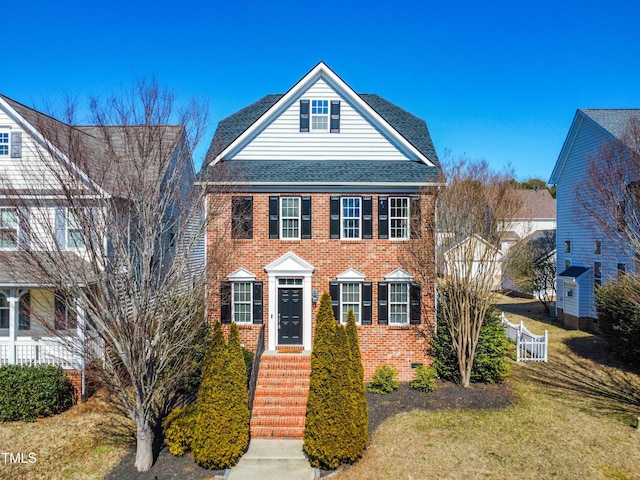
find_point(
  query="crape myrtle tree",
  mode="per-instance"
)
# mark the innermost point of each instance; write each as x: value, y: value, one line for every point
x: 470, y: 226
x: 127, y: 298
x: 608, y: 199
x: 531, y: 264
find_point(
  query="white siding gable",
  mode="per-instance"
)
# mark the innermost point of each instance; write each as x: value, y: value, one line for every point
x: 359, y: 138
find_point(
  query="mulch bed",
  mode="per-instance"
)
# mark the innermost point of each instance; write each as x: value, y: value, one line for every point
x: 381, y: 407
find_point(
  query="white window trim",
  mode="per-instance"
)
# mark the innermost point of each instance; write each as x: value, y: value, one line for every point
x: 6, y: 130
x: 67, y: 230
x: 17, y: 229
x: 233, y: 302
x: 343, y: 218
x: 327, y: 116
x: 406, y: 320
x: 342, y: 312
x: 408, y: 219
x: 282, y: 218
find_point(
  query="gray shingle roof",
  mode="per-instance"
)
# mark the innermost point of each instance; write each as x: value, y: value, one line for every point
x: 325, y: 172
x: 574, y: 272
x: 614, y: 120
x: 412, y: 128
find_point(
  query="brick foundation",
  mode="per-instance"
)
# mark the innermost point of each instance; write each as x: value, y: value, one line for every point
x: 75, y: 377
x: 572, y: 322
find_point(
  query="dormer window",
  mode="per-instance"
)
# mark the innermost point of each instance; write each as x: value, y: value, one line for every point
x: 319, y: 115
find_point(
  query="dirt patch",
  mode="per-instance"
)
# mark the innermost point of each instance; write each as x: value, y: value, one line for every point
x: 167, y: 467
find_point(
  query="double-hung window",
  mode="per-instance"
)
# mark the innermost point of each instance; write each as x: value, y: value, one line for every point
x: 4, y: 312
x: 74, y: 230
x: 242, y: 301
x: 399, y: 218
x: 4, y: 142
x: 398, y: 303
x: 242, y: 217
x: 351, y: 217
x: 290, y: 218
x: 350, y: 299
x: 320, y: 115
x: 8, y: 228
x: 65, y: 316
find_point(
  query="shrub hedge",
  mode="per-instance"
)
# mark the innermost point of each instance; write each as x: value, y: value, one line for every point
x: 27, y: 393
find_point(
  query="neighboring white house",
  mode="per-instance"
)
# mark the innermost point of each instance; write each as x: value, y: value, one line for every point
x: 474, y: 258
x: 584, y: 258
x: 36, y: 156
x: 537, y: 213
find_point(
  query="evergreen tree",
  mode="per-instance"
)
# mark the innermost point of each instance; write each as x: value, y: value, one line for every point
x: 358, y: 390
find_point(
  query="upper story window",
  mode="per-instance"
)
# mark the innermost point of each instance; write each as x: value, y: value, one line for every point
x: 74, y: 230
x: 290, y: 218
x: 4, y: 142
x: 242, y: 217
x: 8, y: 228
x: 567, y: 246
x: 319, y: 115
x: 597, y: 247
x: 399, y: 218
x: 350, y: 218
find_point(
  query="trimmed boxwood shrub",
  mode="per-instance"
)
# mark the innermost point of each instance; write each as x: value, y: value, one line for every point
x: 31, y: 392
x: 619, y: 318
x: 384, y: 380
x: 491, y: 363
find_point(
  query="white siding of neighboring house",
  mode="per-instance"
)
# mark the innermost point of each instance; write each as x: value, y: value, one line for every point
x: 524, y: 227
x: 572, y: 223
x: 358, y: 138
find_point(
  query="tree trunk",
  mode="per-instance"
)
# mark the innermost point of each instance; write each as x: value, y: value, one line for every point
x: 144, y: 447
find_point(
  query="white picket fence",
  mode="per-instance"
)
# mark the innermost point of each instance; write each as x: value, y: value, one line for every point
x: 529, y: 347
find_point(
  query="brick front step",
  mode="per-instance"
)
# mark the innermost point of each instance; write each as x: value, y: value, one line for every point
x: 279, y: 408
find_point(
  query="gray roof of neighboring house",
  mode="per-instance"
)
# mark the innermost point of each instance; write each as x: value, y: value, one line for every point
x: 103, y: 153
x: 574, y: 272
x: 412, y: 128
x: 536, y: 204
x: 19, y: 268
x: 614, y: 120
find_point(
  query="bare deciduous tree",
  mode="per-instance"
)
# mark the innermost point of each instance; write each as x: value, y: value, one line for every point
x: 115, y: 229
x: 470, y: 227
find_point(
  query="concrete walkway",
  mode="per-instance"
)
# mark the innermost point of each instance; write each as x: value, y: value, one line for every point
x: 273, y: 459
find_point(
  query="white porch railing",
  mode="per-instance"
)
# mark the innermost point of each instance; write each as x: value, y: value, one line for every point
x: 529, y: 347
x: 39, y: 352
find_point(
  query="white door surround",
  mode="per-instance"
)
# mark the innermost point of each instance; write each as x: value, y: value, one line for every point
x: 289, y: 266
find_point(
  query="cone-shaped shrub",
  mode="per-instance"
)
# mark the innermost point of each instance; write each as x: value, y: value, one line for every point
x: 322, y: 426
x: 211, y: 419
x: 358, y: 393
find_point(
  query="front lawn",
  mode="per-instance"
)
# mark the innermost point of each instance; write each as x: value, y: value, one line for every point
x: 574, y: 418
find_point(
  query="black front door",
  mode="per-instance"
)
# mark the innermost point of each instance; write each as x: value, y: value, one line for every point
x: 290, y: 316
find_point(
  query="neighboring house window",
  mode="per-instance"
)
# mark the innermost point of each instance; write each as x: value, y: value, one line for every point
x: 4, y: 142
x: 351, y: 217
x: 4, y: 312
x: 241, y: 302
x: 399, y: 218
x: 242, y: 217
x: 74, y: 230
x: 597, y: 269
x: 567, y: 263
x: 622, y: 269
x: 398, y: 303
x: 290, y: 218
x: 319, y: 115
x: 24, y: 314
x: 64, y: 315
x: 597, y: 247
x: 8, y: 228
x: 567, y: 246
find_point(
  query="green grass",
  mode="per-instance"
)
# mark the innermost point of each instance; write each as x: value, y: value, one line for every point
x: 574, y: 418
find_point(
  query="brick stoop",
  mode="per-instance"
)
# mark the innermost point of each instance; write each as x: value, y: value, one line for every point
x: 280, y: 404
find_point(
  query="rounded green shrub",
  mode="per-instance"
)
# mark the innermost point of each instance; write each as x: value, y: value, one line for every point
x: 178, y: 429
x: 384, y: 380
x: 424, y: 378
x: 27, y: 393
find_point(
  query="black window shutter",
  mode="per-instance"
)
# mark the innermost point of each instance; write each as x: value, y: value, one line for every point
x: 306, y: 217
x: 16, y: 144
x: 383, y: 306
x: 257, y: 302
x: 273, y: 216
x: 416, y: 216
x: 383, y: 217
x: 367, y: 214
x: 366, y: 303
x: 335, y: 116
x: 225, y: 302
x: 415, y: 304
x: 334, y: 291
x: 334, y: 211
x: 304, y: 115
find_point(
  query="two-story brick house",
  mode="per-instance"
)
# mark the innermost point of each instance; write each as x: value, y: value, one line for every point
x: 324, y: 190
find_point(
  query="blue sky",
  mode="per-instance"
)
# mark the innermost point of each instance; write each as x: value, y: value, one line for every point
x: 494, y: 80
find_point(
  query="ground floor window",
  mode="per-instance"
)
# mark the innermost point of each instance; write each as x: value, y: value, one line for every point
x: 24, y: 314
x: 4, y: 311
x: 399, y: 303
x: 241, y: 302
x: 65, y: 316
x: 350, y: 300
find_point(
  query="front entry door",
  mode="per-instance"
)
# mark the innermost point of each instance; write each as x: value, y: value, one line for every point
x: 289, y: 316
